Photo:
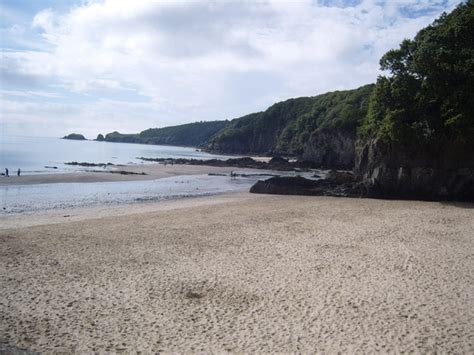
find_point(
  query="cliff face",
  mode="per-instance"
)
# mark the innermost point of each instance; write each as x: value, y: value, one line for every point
x: 419, y: 128
x: 330, y: 148
x: 446, y: 173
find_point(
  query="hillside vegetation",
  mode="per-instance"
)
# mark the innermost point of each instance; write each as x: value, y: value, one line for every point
x: 192, y: 134
x: 287, y: 127
x: 321, y: 129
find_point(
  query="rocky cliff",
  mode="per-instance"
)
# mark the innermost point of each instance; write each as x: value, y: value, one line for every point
x: 411, y: 172
x: 330, y: 148
x: 419, y: 130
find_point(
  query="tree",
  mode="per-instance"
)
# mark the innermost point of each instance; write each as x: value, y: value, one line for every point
x: 429, y: 96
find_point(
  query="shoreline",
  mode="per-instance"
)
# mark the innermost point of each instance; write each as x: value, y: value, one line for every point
x: 142, y: 184
x: 152, y: 172
x: 58, y: 216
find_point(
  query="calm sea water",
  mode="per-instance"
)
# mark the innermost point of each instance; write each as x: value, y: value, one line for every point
x: 33, y: 154
x: 30, y: 198
x: 16, y: 199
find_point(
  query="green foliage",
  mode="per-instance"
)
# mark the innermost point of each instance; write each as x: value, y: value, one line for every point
x: 123, y: 138
x: 429, y: 97
x: 191, y: 134
x: 287, y: 125
x: 258, y: 132
x: 340, y: 110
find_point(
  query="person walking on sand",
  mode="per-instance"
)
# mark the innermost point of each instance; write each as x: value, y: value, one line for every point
x: 18, y: 172
x: 6, y: 172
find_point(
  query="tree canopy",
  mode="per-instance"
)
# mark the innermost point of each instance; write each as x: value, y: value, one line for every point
x: 191, y: 134
x: 428, y: 96
x: 286, y: 126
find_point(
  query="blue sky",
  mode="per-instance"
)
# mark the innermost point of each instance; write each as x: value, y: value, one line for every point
x: 98, y: 66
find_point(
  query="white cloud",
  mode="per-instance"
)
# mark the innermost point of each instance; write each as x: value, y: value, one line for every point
x: 45, y: 20
x: 30, y: 94
x: 205, y: 59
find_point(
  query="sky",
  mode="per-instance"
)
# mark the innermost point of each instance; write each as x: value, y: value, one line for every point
x: 98, y: 66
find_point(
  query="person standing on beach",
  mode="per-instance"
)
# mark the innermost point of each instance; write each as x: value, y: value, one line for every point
x: 18, y: 172
x: 6, y: 172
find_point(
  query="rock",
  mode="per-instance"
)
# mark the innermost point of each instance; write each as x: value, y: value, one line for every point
x: 245, y: 162
x: 301, y: 186
x: 330, y: 148
x: 279, y: 163
x: 100, y: 138
x: 284, y: 185
x: 414, y: 173
x: 123, y: 172
x: 341, y: 177
x: 86, y: 164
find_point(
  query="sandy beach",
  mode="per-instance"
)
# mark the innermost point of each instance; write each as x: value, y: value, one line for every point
x: 98, y: 174
x: 241, y: 273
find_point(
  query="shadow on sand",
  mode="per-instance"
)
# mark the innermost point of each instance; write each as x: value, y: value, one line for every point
x: 467, y: 205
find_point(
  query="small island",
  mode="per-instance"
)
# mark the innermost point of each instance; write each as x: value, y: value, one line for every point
x: 75, y: 136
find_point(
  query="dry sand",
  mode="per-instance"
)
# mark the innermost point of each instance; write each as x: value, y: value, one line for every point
x: 97, y: 174
x: 244, y: 273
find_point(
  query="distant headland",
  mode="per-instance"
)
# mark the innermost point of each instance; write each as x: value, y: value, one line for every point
x: 75, y: 136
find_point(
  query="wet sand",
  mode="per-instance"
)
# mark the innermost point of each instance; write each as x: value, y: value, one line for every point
x: 98, y: 174
x: 243, y: 273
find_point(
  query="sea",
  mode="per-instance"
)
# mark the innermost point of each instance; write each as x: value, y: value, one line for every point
x: 39, y: 155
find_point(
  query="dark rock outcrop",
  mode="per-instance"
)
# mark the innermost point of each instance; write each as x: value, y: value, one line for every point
x: 330, y: 148
x: 245, y: 162
x: 341, y: 184
x: 276, y: 163
x: 100, y: 138
x: 86, y: 164
x: 446, y: 173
